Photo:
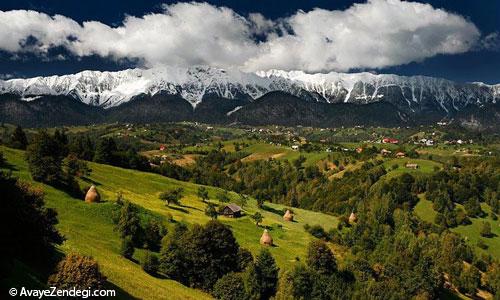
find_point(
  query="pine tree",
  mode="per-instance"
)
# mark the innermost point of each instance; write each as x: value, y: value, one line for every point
x: 267, y: 274
x: 105, y: 151
x: 18, y: 139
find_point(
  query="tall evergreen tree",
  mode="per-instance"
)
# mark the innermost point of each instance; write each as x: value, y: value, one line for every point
x: 18, y: 139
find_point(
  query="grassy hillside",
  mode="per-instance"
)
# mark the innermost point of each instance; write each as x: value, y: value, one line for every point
x: 470, y: 232
x: 89, y: 228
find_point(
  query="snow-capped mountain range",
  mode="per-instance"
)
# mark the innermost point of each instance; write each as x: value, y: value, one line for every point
x: 110, y: 89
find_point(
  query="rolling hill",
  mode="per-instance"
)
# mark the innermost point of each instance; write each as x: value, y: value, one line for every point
x: 89, y: 228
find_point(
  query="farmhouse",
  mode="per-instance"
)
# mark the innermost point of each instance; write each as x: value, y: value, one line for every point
x: 400, y: 155
x: 295, y: 147
x: 385, y: 152
x: 231, y: 210
x: 389, y: 141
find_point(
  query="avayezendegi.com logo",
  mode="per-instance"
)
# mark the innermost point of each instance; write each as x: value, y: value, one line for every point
x: 55, y: 292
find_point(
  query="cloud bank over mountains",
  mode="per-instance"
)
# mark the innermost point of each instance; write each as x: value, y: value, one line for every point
x: 372, y: 35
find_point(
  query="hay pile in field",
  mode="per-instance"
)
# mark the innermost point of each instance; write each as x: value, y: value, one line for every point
x: 92, y: 195
x: 288, y: 216
x: 266, y: 239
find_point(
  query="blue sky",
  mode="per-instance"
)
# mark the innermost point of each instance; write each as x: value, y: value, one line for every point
x: 454, y: 39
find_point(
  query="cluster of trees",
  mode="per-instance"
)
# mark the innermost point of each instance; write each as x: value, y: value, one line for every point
x: 138, y: 230
x: 29, y: 236
x: 319, y: 278
x: 208, y: 257
x: 107, y: 151
x: 50, y: 162
x: 27, y: 226
x: 470, y: 183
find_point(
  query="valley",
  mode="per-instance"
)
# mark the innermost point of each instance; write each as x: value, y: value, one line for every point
x: 321, y: 174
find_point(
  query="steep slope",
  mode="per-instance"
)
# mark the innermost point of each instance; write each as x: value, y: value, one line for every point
x: 89, y: 229
x: 284, y: 109
x: 48, y: 111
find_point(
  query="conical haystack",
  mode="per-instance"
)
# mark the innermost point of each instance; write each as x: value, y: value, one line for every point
x: 288, y: 216
x: 266, y: 239
x: 353, y: 218
x: 92, y: 195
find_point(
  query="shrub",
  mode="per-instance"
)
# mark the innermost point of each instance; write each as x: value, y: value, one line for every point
x: 77, y: 271
x: 230, y: 287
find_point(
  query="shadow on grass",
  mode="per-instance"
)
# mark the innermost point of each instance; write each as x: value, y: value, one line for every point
x: 183, y: 210
x: 191, y: 207
x: 91, y: 181
x: 120, y: 293
x: 273, y: 210
x: 8, y: 166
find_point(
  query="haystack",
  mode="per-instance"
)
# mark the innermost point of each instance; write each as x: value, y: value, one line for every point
x: 353, y: 218
x: 288, y: 216
x: 92, y: 195
x: 266, y: 239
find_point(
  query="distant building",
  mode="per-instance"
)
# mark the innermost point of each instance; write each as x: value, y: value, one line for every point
x: 162, y: 147
x: 411, y: 166
x: 390, y: 141
x: 385, y: 152
x: 400, y: 155
x: 359, y: 150
x: 231, y: 211
x: 295, y: 147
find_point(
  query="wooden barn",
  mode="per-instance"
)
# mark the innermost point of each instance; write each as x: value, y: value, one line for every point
x: 231, y: 210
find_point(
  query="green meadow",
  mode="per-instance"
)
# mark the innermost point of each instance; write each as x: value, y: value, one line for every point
x: 89, y: 228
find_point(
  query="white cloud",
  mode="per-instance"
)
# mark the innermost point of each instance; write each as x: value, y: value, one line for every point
x: 376, y: 34
x: 491, y: 42
x: 372, y: 35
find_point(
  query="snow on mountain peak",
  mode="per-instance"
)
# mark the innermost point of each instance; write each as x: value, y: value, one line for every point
x: 108, y: 89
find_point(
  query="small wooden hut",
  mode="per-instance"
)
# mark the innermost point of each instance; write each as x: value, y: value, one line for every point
x: 231, y: 211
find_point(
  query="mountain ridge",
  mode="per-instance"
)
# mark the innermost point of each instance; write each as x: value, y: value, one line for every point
x: 110, y: 89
